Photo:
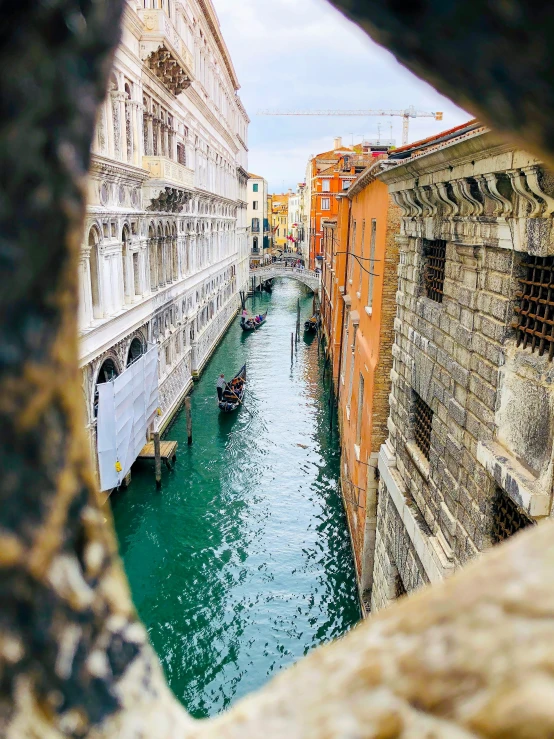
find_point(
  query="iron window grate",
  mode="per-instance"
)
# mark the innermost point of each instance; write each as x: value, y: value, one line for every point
x: 423, y: 425
x: 433, y: 275
x: 535, y: 309
x: 508, y: 519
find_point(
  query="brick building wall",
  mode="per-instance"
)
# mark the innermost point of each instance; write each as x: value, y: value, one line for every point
x: 469, y: 451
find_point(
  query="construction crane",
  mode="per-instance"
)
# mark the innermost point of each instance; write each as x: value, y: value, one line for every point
x: 406, y: 114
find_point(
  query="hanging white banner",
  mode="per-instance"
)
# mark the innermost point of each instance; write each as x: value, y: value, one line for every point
x: 126, y: 407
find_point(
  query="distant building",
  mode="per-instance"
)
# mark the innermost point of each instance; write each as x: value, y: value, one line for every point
x: 295, y: 222
x: 257, y: 219
x: 280, y: 221
x: 329, y: 174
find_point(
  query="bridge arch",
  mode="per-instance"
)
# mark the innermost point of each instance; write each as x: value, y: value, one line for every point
x: 307, y: 277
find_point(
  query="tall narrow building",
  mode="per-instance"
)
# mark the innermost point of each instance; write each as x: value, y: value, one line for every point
x: 165, y: 252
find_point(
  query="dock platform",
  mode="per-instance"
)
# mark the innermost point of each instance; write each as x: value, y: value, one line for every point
x: 168, y: 451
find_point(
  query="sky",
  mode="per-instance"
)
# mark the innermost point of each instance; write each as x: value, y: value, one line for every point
x: 304, y: 55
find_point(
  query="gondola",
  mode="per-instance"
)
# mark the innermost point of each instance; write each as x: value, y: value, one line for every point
x: 311, y: 324
x: 251, y: 325
x: 233, y: 398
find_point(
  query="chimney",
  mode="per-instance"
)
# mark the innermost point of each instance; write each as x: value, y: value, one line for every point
x: 338, y: 143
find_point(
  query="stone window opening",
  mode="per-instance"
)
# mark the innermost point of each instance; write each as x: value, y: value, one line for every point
x: 136, y: 350
x: 423, y: 424
x: 507, y: 518
x: 535, y: 308
x: 434, y: 269
x: 95, y: 273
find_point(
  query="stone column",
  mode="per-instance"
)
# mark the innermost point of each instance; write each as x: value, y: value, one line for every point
x: 118, y: 118
x: 85, y: 303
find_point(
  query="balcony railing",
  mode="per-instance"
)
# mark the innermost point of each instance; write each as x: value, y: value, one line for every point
x: 169, y: 172
x: 164, y: 51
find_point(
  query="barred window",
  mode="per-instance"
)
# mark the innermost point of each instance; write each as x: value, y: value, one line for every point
x: 423, y: 424
x: 507, y: 517
x: 433, y: 274
x: 535, y: 309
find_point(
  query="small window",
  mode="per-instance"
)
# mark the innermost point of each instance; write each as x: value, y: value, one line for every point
x: 325, y: 203
x: 423, y: 423
x: 433, y: 271
x: 507, y: 519
x: 326, y: 186
x: 255, y: 205
x: 535, y: 307
x: 181, y: 155
x: 255, y: 187
x: 347, y: 162
x: 256, y: 225
x: 345, y: 184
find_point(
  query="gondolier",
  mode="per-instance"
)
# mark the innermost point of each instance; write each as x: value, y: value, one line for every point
x: 233, y: 393
x: 221, y: 384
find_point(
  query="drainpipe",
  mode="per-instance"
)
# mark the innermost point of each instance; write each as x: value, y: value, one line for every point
x: 344, y: 307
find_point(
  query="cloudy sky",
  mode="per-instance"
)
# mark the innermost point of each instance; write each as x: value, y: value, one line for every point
x: 302, y: 54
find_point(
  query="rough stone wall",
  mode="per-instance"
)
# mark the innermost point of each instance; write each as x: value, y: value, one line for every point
x: 397, y: 568
x: 459, y: 355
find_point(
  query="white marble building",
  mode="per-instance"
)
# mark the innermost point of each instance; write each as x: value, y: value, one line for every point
x: 165, y: 252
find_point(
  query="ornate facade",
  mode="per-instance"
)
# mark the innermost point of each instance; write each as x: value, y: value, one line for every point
x: 165, y: 252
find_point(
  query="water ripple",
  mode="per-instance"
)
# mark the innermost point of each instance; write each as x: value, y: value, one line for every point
x: 241, y: 564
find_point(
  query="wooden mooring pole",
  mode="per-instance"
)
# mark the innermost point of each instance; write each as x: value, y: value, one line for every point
x: 157, y: 459
x: 188, y: 414
x: 291, y: 348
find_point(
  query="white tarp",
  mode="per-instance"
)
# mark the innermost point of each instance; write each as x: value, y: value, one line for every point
x: 126, y: 407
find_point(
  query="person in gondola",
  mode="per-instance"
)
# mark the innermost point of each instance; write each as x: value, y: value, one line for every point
x: 243, y: 317
x: 221, y: 385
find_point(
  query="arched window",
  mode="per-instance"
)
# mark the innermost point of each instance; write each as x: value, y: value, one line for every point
x: 159, y: 257
x: 108, y: 372
x: 136, y: 350
x: 125, y: 262
x: 175, y: 254
x: 152, y: 258
x: 93, y: 240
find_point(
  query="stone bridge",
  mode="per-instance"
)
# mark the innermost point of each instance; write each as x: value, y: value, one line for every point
x: 306, y: 276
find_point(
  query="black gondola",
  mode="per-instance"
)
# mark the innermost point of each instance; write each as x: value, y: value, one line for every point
x: 311, y: 324
x: 232, y: 396
x: 251, y: 325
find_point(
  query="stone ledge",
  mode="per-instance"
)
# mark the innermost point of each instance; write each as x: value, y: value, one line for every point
x: 429, y: 552
x: 514, y: 479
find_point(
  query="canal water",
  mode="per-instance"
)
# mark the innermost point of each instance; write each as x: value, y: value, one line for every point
x: 242, y: 564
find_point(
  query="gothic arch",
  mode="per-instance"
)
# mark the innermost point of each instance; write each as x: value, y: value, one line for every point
x: 136, y: 349
x: 109, y: 370
x: 152, y: 256
x: 125, y: 245
x: 160, y: 255
x: 95, y: 280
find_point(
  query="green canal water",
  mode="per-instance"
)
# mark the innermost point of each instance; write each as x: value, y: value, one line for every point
x: 241, y: 564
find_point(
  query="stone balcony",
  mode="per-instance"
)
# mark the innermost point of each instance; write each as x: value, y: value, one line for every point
x: 170, y: 184
x: 164, y: 51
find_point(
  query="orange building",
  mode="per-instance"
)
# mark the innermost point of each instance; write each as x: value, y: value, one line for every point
x: 359, y: 284
x: 331, y: 174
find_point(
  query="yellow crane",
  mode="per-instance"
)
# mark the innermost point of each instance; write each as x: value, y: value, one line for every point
x: 405, y: 114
